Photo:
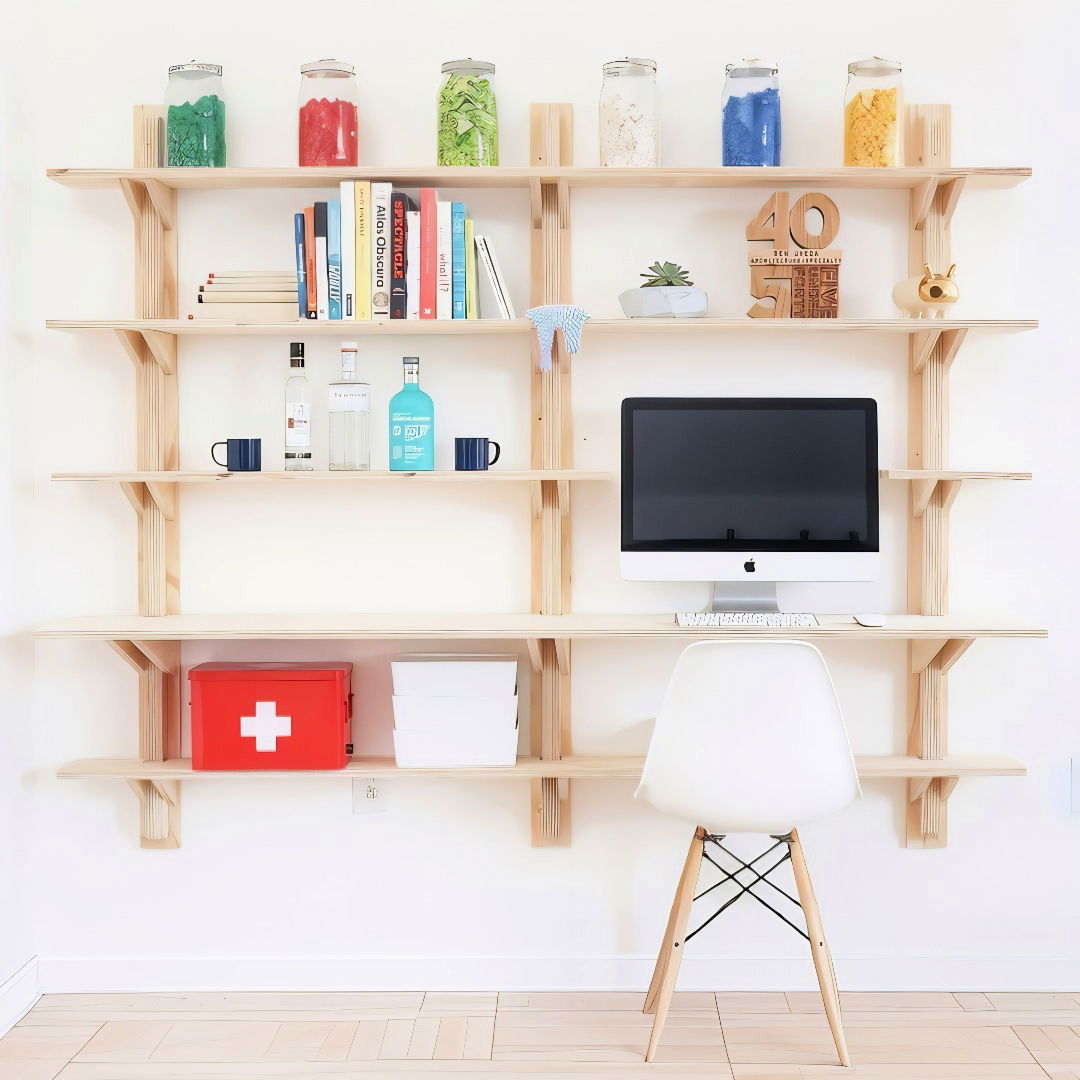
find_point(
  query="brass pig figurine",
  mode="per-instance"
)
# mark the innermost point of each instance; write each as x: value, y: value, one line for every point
x: 928, y: 296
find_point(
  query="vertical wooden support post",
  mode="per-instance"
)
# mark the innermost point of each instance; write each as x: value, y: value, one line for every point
x: 551, y: 127
x: 928, y: 145
x: 154, y: 212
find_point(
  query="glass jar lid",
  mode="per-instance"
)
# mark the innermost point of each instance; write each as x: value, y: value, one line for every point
x: 212, y: 69
x: 630, y: 65
x: 468, y: 66
x: 874, y: 66
x: 333, y: 68
x: 751, y: 68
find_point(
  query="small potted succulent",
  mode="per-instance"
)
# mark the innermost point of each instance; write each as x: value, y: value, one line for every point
x: 667, y: 294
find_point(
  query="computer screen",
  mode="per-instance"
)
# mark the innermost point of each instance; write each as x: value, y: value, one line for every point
x: 742, y: 474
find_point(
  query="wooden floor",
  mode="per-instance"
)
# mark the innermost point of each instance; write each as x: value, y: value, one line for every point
x: 919, y: 1036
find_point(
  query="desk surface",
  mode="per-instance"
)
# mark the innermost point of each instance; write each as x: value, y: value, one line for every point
x: 513, y: 627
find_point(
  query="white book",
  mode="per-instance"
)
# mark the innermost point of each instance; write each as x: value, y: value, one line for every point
x: 485, y: 253
x: 380, y: 250
x: 348, y: 250
x: 412, y: 264
x: 444, y: 263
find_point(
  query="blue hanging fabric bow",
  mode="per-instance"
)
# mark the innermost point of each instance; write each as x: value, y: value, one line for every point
x: 549, y: 317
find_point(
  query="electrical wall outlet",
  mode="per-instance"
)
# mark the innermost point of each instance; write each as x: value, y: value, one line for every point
x: 1074, y: 786
x: 368, y: 796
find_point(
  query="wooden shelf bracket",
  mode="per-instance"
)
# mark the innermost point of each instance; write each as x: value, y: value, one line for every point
x: 551, y: 146
x: 931, y: 660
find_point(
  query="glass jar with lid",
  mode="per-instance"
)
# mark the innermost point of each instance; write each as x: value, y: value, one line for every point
x: 468, y: 132
x: 751, y: 113
x: 874, y: 114
x: 629, y: 114
x: 195, y: 115
x: 328, y: 127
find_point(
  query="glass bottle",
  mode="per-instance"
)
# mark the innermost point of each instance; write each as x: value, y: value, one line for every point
x: 629, y: 114
x: 195, y: 116
x: 329, y: 122
x: 412, y: 424
x: 350, y: 417
x: 873, y: 114
x: 297, y: 413
x: 751, y: 111
x: 468, y: 131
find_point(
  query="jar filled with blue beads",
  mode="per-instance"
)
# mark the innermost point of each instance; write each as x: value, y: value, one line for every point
x: 751, y: 106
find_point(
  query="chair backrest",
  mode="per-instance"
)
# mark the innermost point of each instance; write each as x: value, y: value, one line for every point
x: 750, y: 738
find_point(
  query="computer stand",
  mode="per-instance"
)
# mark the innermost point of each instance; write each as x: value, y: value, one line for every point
x: 744, y: 596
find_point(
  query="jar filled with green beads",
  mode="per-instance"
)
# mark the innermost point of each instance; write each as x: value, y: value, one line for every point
x: 468, y: 127
x: 195, y: 115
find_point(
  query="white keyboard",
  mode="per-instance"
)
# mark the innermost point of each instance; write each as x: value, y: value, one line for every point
x: 719, y: 619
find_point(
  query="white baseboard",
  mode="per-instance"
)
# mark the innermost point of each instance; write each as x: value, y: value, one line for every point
x: 18, y: 994
x: 104, y: 974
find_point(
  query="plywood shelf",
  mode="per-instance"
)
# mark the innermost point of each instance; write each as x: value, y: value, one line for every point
x: 527, y: 768
x: 512, y: 627
x: 439, y: 476
x: 511, y: 177
x: 301, y: 327
x: 457, y: 327
x: 926, y: 482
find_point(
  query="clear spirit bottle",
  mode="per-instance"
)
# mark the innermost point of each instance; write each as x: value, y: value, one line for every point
x: 297, y: 413
x: 412, y: 424
x: 350, y: 417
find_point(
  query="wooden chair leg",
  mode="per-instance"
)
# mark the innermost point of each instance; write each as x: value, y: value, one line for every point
x: 819, y: 948
x: 687, y: 880
x: 667, y: 963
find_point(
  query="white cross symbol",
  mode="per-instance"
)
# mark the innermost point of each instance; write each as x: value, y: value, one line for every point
x: 265, y: 727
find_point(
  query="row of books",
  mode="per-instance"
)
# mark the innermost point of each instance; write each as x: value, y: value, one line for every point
x: 376, y: 253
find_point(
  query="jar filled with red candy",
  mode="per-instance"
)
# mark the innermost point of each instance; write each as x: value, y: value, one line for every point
x: 328, y: 113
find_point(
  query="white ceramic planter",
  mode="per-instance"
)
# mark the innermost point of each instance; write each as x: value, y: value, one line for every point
x: 665, y: 302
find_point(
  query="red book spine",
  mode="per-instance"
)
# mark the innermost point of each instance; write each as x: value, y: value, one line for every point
x: 399, y: 204
x: 309, y: 258
x: 429, y: 249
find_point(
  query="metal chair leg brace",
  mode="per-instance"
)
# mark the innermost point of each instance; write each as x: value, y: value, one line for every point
x: 760, y: 877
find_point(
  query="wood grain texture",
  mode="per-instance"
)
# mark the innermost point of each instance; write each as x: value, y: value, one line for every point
x: 870, y: 767
x: 518, y: 626
x: 186, y: 1036
x: 224, y: 328
x: 550, y: 173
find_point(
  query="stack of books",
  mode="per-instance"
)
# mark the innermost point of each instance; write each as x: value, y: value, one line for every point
x: 376, y: 253
x: 252, y: 296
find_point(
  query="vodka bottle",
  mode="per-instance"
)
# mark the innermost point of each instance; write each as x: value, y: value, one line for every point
x: 350, y: 415
x: 297, y: 413
x: 412, y: 424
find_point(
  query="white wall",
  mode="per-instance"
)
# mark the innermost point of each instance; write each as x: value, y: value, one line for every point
x: 277, y: 884
x: 17, y: 968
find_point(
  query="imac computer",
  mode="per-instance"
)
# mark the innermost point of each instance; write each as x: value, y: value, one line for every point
x: 746, y: 492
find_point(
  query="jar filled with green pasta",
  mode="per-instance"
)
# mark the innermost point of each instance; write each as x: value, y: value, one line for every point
x: 468, y: 127
x: 195, y: 115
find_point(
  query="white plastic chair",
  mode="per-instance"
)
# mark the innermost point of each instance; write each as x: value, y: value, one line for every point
x: 750, y: 738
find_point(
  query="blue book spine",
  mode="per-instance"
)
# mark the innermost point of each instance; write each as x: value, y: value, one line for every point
x: 333, y: 257
x: 457, y: 247
x: 301, y: 264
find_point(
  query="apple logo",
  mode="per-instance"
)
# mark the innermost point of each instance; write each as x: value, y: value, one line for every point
x: 749, y: 566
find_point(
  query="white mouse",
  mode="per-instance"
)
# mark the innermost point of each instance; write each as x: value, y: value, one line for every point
x: 870, y: 620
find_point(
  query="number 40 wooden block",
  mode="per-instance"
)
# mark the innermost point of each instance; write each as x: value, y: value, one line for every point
x: 800, y: 275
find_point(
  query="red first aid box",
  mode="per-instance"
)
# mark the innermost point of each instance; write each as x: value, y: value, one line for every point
x: 271, y: 716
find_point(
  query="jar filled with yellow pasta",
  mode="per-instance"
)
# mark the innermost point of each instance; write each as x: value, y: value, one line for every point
x: 874, y: 114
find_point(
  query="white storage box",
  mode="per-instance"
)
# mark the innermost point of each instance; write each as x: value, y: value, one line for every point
x: 453, y: 749
x: 472, y: 714
x: 455, y: 710
x: 454, y: 674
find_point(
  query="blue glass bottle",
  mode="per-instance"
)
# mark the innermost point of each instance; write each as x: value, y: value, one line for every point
x: 751, y: 107
x: 412, y: 424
